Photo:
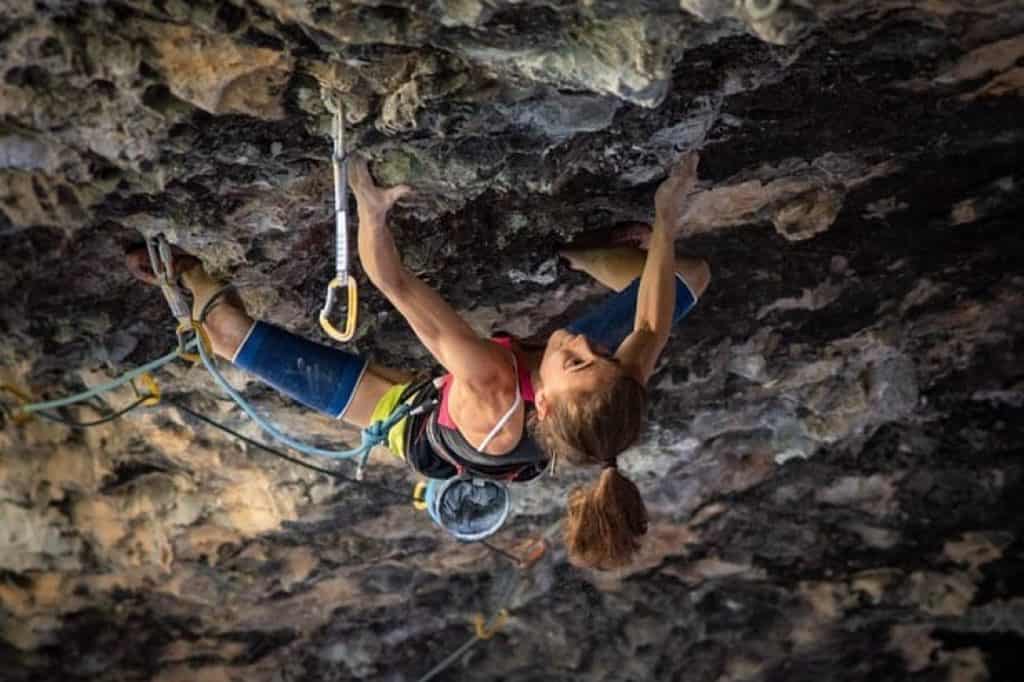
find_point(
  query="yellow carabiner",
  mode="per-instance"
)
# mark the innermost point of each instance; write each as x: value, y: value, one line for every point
x: 152, y: 398
x: 201, y: 335
x: 23, y: 398
x: 419, y: 496
x: 352, y: 313
x: 485, y: 630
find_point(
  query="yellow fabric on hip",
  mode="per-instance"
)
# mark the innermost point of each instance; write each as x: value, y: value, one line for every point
x: 385, y: 406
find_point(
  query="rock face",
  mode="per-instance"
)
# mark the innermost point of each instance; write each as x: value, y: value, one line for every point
x: 833, y: 464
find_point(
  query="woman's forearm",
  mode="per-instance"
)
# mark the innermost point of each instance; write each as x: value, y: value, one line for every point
x: 656, y: 298
x: 379, y: 255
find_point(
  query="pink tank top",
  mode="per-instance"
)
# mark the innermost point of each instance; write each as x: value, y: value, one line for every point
x: 525, y: 386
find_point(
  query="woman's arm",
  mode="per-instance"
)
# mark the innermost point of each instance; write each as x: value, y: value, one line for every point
x: 656, y: 298
x: 476, y: 362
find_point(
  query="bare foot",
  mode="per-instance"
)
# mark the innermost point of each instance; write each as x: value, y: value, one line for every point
x: 632, y: 234
x: 188, y: 271
x: 571, y: 257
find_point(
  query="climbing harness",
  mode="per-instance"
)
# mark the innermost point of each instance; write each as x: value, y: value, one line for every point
x: 443, y: 499
x: 339, y: 163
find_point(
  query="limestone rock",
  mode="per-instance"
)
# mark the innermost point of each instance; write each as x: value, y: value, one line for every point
x: 219, y: 76
x: 831, y: 464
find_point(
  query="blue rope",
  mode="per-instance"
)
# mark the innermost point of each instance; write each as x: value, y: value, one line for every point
x: 109, y: 386
x: 374, y: 434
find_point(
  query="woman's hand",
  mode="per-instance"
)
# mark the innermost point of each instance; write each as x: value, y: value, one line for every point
x: 670, y: 199
x: 372, y: 201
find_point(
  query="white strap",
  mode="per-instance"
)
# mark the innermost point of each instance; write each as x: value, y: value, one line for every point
x: 508, y: 415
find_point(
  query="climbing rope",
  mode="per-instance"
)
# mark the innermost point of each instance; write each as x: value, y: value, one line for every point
x: 486, y: 628
x: 160, y: 259
x: 139, y: 402
x: 153, y: 397
x: 339, y: 164
x: 127, y: 377
x: 483, y: 631
x: 371, y: 436
x: 402, y: 497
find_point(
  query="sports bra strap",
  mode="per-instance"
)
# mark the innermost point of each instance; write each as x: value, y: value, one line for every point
x: 508, y: 415
x: 450, y: 445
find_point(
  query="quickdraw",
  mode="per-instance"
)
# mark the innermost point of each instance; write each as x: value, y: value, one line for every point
x: 161, y: 262
x: 339, y: 163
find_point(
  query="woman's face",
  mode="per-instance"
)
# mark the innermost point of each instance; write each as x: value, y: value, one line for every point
x: 570, y: 364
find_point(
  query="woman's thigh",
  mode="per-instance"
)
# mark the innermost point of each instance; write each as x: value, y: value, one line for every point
x: 375, y: 382
x: 325, y: 378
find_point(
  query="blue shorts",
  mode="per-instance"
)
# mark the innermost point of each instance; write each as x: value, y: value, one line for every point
x: 317, y: 376
x: 612, y: 321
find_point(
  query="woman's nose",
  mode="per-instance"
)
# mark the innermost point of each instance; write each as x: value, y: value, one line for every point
x: 583, y: 344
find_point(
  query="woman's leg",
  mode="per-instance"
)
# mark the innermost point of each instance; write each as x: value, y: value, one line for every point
x: 617, y: 266
x: 230, y: 327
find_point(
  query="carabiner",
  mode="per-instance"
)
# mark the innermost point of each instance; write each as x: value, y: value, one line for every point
x: 160, y: 260
x: 184, y: 328
x: 419, y: 496
x: 151, y: 398
x: 352, y: 314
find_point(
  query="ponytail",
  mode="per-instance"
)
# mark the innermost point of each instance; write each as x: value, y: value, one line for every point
x: 605, y: 522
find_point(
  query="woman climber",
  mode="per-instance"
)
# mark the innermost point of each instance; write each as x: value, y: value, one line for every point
x: 503, y: 410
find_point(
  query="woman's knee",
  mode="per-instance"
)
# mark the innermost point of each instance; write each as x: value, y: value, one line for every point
x: 703, y: 277
x: 697, y: 273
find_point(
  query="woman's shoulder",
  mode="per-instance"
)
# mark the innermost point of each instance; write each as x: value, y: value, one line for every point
x: 488, y: 377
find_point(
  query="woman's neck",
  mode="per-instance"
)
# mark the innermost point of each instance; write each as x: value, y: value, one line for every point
x: 532, y: 357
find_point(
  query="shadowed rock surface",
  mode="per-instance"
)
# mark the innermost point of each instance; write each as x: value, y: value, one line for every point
x: 834, y: 459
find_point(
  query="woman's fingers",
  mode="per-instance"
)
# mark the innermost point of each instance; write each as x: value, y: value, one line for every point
x: 397, y: 192
x: 359, y: 174
x: 686, y: 165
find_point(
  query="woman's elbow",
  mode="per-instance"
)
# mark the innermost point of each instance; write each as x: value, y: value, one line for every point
x: 391, y: 284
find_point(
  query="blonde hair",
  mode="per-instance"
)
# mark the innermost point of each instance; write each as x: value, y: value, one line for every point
x: 605, y: 522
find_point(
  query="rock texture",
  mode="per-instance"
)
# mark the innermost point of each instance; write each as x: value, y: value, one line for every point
x: 833, y: 464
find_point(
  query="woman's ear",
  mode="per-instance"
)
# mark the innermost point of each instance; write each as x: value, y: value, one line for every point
x: 540, y: 402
